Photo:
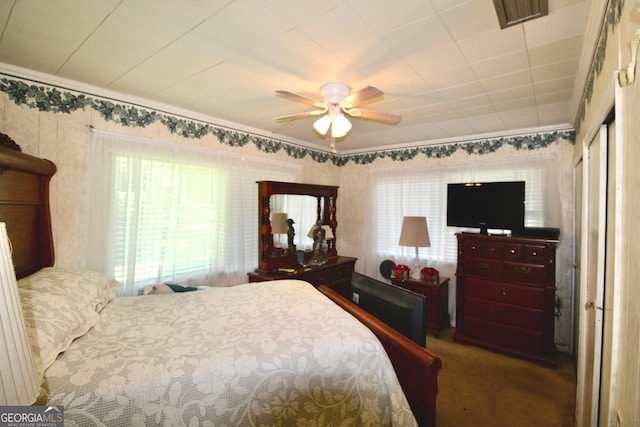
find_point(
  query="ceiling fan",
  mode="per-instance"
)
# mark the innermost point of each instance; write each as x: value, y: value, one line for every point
x: 338, y: 101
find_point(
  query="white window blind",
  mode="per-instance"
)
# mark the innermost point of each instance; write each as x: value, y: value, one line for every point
x: 423, y: 192
x: 168, y: 213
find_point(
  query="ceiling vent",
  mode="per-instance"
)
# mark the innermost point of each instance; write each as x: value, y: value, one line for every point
x: 513, y: 12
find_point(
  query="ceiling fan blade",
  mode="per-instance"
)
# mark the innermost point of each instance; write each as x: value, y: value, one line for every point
x: 302, y: 115
x: 301, y: 98
x: 374, y: 115
x: 362, y: 96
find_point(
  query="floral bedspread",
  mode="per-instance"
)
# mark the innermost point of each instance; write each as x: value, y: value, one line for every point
x: 272, y: 353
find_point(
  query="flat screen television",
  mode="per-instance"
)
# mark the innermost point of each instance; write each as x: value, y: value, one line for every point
x: 485, y: 205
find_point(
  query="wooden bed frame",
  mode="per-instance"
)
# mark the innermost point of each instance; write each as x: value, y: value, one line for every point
x: 416, y: 368
x: 24, y: 207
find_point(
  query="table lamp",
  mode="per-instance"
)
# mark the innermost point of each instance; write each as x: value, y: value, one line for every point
x: 320, y: 246
x: 279, y: 226
x: 415, y: 233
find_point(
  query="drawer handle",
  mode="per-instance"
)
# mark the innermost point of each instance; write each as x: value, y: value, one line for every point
x: 501, y: 291
x: 523, y: 270
x: 492, y: 249
x: 534, y: 253
x: 482, y: 265
x: 513, y: 251
x: 473, y: 248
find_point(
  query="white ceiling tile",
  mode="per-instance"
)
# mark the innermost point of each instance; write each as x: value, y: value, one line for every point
x: 495, y: 43
x: 440, y: 79
x: 553, y: 97
x: 487, y: 123
x: 520, y: 118
x: 551, y: 86
x: 443, y: 5
x: 556, y: 51
x: 564, y: 23
x: 512, y: 94
x: 510, y: 63
x: 507, y: 81
x: 365, y: 54
x: 470, y: 18
x: 440, y: 56
x: 553, y: 114
x: 42, y: 43
x: 335, y: 27
x: 462, y: 91
x: 384, y: 16
x: 519, y: 104
x: 414, y: 37
x: 453, y: 127
x: 555, y: 71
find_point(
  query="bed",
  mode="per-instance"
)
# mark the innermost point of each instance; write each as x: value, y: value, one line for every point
x: 211, y: 357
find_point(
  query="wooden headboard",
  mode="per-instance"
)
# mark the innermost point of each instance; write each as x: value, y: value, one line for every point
x: 24, y: 207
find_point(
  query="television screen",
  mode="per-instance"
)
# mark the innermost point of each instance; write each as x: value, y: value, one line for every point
x: 484, y: 205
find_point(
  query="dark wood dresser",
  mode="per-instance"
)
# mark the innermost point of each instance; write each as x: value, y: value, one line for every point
x: 335, y: 274
x: 505, y: 295
x: 437, y: 295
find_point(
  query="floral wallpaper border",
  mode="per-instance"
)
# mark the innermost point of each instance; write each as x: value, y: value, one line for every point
x: 611, y: 19
x: 55, y: 100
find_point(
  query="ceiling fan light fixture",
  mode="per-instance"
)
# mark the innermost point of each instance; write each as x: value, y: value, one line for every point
x: 322, y: 124
x: 334, y: 92
x: 341, y: 126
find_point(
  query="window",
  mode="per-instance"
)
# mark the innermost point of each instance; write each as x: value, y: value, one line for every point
x: 423, y: 192
x: 170, y: 213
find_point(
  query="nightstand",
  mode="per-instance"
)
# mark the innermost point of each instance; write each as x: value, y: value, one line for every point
x: 437, y: 295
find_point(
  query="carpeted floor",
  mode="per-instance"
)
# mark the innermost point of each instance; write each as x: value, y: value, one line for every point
x: 478, y: 387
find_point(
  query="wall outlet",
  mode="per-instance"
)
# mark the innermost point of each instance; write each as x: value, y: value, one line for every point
x: 356, y: 298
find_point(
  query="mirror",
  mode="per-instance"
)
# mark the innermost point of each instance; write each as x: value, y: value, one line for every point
x: 302, y: 210
x: 305, y: 204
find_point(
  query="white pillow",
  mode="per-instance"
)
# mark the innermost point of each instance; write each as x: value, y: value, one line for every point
x: 53, y: 321
x: 90, y: 289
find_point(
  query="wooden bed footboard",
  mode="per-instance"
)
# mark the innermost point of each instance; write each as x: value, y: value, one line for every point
x: 416, y: 368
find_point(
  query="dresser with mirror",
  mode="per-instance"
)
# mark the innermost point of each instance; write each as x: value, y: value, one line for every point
x: 287, y: 251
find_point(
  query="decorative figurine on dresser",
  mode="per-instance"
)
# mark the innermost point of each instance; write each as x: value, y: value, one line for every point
x: 291, y: 234
x: 334, y: 271
x: 505, y: 294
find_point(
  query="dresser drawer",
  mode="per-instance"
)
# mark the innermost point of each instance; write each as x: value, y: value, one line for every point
x: 483, y: 267
x: 524, y: 252
x: 512, y: 315
x: 506, y: 293
x: 482, y: 248
x: 533, y: 274
x: 503, y: 335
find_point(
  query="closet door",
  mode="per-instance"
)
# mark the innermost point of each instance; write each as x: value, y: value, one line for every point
x: 592, y: 277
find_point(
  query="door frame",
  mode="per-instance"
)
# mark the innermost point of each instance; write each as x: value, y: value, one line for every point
x: 609, y: 110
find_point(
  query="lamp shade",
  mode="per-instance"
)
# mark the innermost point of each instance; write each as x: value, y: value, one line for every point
x: 414, y: 232
x: 19, y: 383
x: 279, y: 223
x: 322, y: 124
x: 340, y: 127
x: 328, y: 233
